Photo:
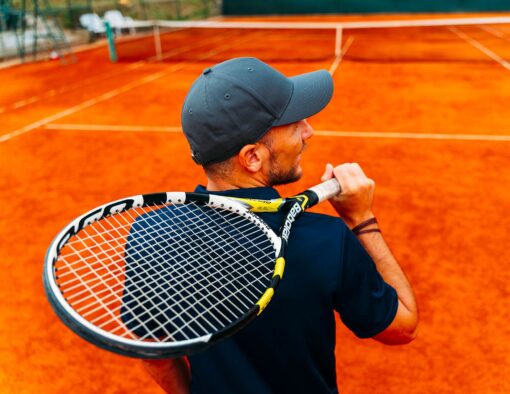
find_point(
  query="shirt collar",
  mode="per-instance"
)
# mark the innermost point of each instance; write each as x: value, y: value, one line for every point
x: 261, y: 193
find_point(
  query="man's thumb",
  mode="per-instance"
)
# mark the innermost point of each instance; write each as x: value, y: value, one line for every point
x: 328, y: 172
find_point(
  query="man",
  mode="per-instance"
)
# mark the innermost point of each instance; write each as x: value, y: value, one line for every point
x: 246, y: 125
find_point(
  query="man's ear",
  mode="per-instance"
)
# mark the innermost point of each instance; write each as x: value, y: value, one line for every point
x: 251, y: 157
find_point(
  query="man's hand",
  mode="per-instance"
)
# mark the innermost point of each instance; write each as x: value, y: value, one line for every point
x: 354, y: 203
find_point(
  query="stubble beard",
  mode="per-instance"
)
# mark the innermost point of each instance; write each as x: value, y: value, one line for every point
x: 277, y: 176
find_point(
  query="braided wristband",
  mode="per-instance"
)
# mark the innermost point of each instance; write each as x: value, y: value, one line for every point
x: 370, y: 230
x: 357, y: 230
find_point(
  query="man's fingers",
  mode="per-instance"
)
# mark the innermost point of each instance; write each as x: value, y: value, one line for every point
x: 328, y: 173
x: 358, y: 176
x: 352, y: 178
x: 354, y: 204
x: 345, y: 176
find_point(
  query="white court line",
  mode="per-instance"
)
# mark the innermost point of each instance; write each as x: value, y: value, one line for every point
x: 89, y: 103
x: 495, y: 32
x: 481, y: 47
x: 102, y: 127
x: 328, y: 133
x: 338, y: 59
x: 99, y: 77
x: 112, y: 93
x: 492, y: 30
x: 416, y: 136
x: 335, y: 65
x: 68, y: 88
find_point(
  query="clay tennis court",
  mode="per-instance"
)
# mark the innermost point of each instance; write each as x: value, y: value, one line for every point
x: 427, y: 120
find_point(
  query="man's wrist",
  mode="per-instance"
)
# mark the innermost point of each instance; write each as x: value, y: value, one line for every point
x: 353, y: 221
x: 367, y: 226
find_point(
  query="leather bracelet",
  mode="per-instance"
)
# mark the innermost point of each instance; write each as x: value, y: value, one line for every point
x: 356, y: 230
x: 370, y: 230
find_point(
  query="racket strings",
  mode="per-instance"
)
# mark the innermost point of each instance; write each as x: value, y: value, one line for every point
x: 108, y: 321
x: 100, y: 256
x: 103, y: 304
x: 112, y: 297
x: 120, y: 268
x: 212, y: 285
x: 211, y: 293
x: 229, y: 275
x: 155, y: 279
x: 96, y: 308
x: 80, y: 241
x: 166, y: 299
x: 142, y: 322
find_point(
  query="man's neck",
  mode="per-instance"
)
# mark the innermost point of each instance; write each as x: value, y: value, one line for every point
x: 214, y: 185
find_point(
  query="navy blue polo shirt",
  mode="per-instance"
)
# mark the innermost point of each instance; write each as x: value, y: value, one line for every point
x: 290, y: 347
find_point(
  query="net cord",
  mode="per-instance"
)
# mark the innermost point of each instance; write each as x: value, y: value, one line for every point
x: 332, y: 25
x: 338, y: 27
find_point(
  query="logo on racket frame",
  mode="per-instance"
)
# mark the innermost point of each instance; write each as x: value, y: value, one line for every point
x: 294, y: 212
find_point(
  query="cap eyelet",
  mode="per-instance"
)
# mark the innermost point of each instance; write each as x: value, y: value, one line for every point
x: 227, y: 96
x: 250, y: 69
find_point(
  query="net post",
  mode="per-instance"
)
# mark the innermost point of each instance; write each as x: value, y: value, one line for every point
x: 338, y: 41
x: 157, y: 42
x: 111, y: 42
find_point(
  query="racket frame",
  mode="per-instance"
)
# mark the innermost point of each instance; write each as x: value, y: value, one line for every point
x: 292, y: 208
x: 146, y: 349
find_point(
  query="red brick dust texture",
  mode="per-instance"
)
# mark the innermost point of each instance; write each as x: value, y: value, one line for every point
x: 76, y: 136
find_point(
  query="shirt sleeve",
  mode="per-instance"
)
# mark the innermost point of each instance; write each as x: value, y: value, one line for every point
x: 366, y: 303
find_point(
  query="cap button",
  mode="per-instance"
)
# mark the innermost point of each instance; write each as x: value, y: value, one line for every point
x: 207, y: 71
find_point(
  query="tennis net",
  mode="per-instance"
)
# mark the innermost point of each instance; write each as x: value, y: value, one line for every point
x: 472, y: 40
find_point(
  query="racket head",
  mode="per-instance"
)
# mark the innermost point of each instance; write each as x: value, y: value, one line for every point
x: 108, y: 301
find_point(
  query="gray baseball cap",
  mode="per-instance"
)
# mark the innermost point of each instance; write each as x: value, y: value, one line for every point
x: 236, y: 102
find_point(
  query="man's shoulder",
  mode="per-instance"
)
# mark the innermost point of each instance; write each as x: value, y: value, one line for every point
x: 321, y: 219
x: 318, y: 225
x: 312, y: 224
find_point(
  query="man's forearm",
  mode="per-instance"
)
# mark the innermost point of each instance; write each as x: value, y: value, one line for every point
x: 389, y: 268
x: 403, y: 328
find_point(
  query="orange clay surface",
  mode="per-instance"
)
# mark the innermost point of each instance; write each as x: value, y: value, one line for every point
x: 442, y: 205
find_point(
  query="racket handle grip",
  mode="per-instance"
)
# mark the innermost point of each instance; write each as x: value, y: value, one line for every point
x: 326, y: 190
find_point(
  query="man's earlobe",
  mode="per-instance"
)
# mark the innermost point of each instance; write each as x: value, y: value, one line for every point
x: 250, y: 157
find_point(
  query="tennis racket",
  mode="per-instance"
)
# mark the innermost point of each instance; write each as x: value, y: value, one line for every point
x: 168, y: 274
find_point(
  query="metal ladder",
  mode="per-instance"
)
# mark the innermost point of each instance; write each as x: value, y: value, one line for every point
x: 44, y: 28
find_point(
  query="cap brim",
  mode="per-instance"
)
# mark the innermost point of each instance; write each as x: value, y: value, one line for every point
x: 312, y: 92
